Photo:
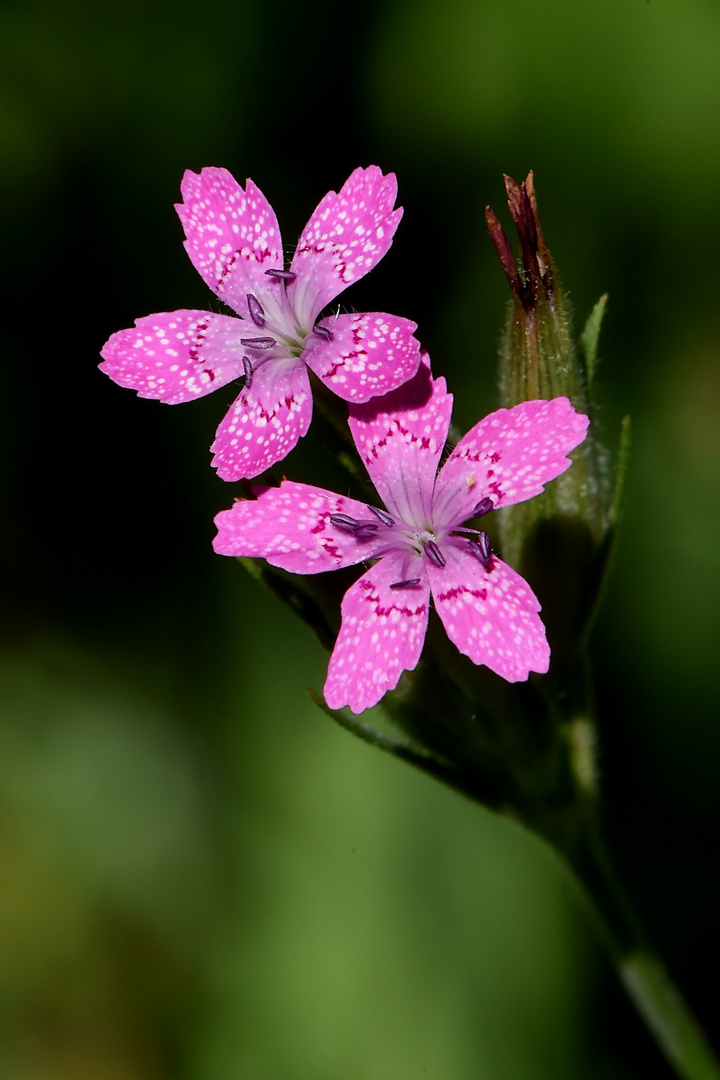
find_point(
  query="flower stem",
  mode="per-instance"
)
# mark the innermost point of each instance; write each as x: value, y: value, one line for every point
x: 645, y: 978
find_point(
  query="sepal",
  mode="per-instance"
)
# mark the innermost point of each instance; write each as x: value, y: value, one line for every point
x: 559, y: 541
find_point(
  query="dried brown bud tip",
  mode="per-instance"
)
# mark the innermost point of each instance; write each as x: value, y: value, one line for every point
x: 535, y: 275
x: 502, y: 246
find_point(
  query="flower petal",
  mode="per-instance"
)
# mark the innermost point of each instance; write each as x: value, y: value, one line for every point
x: 348, y: 234
x: 381, y: 636
x: 400, y: 438
x: 491, y: 615
x: 509, y: 456
x: 368, y: 355
x: 265, y: 422
x: 290, y: 527
x: 233, y: 236
x: 175, y: 355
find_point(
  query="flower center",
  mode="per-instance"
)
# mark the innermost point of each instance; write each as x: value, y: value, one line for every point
x: 284, y: 337
x: 415, y: 540
x: 398, y: 535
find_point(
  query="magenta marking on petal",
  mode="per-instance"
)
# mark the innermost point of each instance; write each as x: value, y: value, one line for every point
x: 400, y: 438
x: 509, y: 456
x: 258, y: 342
x: 231, y: 233
x: 289, y: 527
x: 346, y: 236
x: 363, y: 356
x: 490, y: 614
x: 379, y: 608
x: 174, y: 356
x: 381, y: 635
x: 264, y: 423
x: 255, y: 308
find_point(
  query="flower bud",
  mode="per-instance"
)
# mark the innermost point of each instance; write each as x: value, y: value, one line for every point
x: 556, y: 540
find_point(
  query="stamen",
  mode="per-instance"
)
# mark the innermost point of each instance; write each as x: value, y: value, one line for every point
x: 383, y: 515
x: 342, y: 521
x: 256, y: 310
x: 258, y: 342
x: 323, y: 332
x: 435, y: 554
x: 483, y: 507
x: 247, y: 368
x: 282, y: 275
x: 362, y: 529
x: 483, y: 542
x: 366, y: 529
x: 406, y: 583
x: 481, y: 548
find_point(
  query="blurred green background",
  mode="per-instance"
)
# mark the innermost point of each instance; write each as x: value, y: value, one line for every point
x: 200, y: 877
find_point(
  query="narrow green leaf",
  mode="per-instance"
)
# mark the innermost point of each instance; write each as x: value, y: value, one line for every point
x: 590, y: 337
x: 623, y: 470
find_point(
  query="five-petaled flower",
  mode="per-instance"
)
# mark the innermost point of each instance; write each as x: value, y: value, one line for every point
x: 419, y: 538
x: 233, y: 240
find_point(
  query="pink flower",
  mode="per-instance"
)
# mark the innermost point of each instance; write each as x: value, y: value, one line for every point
x: 419, y: 539
x: 234, y: 242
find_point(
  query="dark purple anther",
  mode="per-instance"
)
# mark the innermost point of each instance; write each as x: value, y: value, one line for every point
x: 256, y: 310
x: 366, y: 529
x: 383, y: 515
x: 435, y: 554
x: 247, y: 368
x: 342, y: 521
x: 258, y: 342
x: 282, y: 275
x: 483, y: 507
x: 481, y: 548
x: 323, y: 332
x: 406, y: 583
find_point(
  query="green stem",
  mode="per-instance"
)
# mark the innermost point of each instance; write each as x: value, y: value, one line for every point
x: 656, y: 998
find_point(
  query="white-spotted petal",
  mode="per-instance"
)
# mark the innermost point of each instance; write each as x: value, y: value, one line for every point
x: 490, y: 614
x: 265, y: 422
x: 400, y: 438
x: 346, y: 236
x: 509, y: 456
x: 290, y: 526
x: 367, y: 355
x: 233, y: 236
x: 382, y: 635
x: 175, y: 356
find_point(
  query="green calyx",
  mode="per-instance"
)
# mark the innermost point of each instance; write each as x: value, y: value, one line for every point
x: 560, y: 540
